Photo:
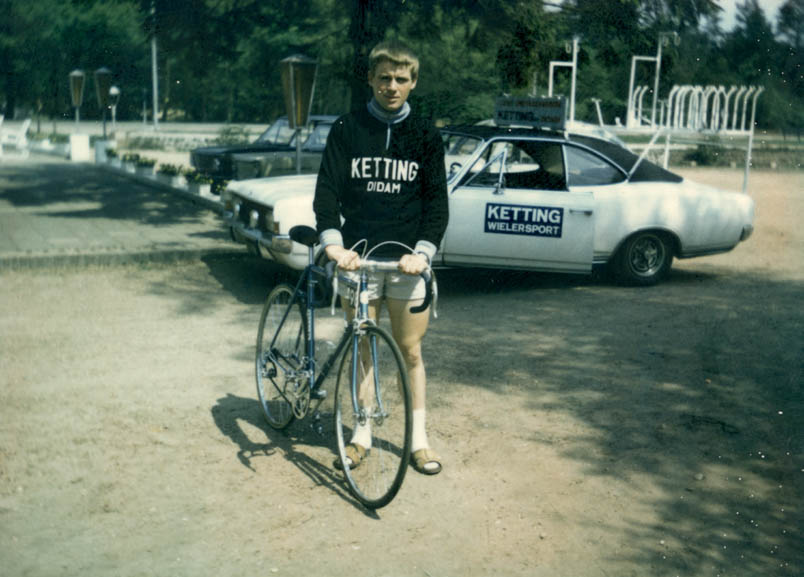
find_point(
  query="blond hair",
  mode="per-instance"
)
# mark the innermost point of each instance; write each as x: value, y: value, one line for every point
x: 396, y: 53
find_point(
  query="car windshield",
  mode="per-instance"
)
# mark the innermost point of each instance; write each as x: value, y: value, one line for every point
x: 318, y: 137
x: 281, y: 133
x: 278, y: 133
x: 458, y: 150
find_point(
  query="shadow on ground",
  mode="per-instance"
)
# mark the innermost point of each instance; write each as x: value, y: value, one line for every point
x: 692, y: 387
x: 52, y: 187
x: 294, y: 443
x: 694, y: 384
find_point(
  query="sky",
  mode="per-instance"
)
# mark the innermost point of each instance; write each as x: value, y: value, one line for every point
x: 769, y: 7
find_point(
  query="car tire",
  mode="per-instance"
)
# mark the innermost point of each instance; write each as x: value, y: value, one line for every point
x: 644, y: 258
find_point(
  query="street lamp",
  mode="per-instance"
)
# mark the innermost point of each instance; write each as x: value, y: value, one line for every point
x: 569, y: 64
x: 114, y: 98
x: 298, y: 83
x: 77, y: 92
x: 103, y: 80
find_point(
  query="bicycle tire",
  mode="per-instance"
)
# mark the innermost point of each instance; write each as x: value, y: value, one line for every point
x: 378, y: 477
x: 274, y: 389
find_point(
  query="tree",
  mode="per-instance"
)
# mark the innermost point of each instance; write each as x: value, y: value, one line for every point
x: 791, y: 23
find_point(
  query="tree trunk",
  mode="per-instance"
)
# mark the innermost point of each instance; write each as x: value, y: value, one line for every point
x: 367, y: 28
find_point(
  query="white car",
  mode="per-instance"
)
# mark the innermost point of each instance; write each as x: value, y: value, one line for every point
x: 532, y: 199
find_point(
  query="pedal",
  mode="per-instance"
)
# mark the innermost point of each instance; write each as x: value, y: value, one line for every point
x: 318, y: 394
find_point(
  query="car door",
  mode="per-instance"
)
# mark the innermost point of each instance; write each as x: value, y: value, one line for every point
x: 512, y: 209
x: 615, y: 205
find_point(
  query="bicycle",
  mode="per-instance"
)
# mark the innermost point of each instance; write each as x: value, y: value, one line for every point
x: 371, y: 389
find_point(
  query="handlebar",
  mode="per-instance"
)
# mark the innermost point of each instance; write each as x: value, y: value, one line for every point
x: 391, y: 266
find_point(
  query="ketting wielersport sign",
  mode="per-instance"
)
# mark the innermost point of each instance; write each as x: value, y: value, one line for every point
x: 548, y: 112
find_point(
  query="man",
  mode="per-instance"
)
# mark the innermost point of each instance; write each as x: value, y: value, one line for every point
x: 383, y: 173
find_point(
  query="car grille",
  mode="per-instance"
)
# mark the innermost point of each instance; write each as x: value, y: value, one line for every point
x: 265, y: 222
x: 245, y: 170
x: 219, y: 166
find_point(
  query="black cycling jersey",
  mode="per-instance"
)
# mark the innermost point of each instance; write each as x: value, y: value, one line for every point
x: 387, y: 181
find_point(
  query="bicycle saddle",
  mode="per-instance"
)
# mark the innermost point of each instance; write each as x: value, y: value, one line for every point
x: 304, y: 235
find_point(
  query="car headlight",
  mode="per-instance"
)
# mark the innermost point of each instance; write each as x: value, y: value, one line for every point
x: 253, y: 219
x: 270, y: 224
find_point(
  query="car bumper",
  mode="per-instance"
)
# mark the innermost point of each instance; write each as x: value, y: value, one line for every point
x: 276, y: 247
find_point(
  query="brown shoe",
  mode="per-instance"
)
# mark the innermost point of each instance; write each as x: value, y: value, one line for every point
x: 354, y: 453
x: 426, y: 461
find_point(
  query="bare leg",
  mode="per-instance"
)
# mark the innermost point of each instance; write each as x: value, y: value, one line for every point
x: 408, y: 330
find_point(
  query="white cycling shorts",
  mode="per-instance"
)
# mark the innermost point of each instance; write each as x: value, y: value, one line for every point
x: 387, y: 284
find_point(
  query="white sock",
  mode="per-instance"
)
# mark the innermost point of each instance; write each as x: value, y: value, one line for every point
x: 362, y: 435
x: 419, y: 440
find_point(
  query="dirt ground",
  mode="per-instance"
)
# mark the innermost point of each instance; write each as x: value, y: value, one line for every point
x: 587, y: 429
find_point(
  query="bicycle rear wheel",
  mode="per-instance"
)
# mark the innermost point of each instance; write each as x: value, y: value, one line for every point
x: 384, y: 406
x: 281, y: 340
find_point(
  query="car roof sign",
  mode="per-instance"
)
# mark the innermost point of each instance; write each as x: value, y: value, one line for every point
x: 547, y: 112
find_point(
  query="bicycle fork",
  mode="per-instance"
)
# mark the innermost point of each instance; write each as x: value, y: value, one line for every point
x: 362, y: 413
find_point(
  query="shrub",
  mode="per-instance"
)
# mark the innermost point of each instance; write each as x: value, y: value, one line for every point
x: 169, y: 169
x: 111, y: 153
x: 229, y: 135
x: 146, y: 143
x: 193, y: 175
x: 707, y: 155
x: 131, y: 157
x: 145, y: 162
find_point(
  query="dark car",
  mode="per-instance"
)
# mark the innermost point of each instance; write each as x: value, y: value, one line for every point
x: 283, y: 162
x: 216, y: 162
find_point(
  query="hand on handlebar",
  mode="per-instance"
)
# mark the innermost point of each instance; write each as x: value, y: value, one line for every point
x: 413, y: 264
x: 345, y: 259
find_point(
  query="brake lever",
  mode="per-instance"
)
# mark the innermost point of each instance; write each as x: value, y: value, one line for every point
x: 429, y: 279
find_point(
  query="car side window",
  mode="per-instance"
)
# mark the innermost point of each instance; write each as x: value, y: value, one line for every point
x: 486, y: 169
x: 587, y: 169
x: 526, y: 164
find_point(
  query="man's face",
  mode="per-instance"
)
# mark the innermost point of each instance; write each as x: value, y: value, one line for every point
x: 391, y: 85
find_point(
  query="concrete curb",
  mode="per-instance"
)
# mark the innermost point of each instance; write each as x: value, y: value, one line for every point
x: 211, y: 202
x: 25, y: 261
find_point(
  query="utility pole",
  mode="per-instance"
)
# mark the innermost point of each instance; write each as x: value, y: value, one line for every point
x: 154, y: 70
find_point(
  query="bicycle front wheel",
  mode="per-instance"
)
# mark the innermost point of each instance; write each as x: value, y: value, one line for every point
x: 373, y: 409
x: 280, y: 355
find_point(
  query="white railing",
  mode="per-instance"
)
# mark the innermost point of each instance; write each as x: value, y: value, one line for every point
x: 700, y: 108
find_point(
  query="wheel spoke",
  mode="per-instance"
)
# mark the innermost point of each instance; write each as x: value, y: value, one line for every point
x: 383, y: 428
x: 280, y: 343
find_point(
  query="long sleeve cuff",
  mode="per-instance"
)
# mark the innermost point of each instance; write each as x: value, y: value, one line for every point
x: 426, y: 248
x: 331, y: 236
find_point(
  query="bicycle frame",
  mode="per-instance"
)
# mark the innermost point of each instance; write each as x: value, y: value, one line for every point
x: 305, y: 289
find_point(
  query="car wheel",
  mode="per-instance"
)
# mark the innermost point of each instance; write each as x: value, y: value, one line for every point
x: 644, y: 259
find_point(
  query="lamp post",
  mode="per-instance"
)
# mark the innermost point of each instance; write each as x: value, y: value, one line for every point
x: 569, y: 64
x: 663, y: 38
x: 298, y: 84
x: 77, y: 93
x: 103, y: 80
x: 114, y: 98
